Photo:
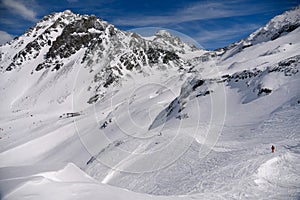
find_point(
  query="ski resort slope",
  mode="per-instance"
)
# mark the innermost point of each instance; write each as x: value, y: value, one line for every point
x: 231, y: 172
x: 172, y: 122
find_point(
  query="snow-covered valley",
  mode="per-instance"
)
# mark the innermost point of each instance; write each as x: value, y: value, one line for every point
x: 90, y: 111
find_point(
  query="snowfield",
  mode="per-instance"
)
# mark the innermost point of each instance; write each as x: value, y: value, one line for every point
x: 90, y: 111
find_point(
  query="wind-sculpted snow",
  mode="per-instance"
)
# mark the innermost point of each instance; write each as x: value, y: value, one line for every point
x: 86, y: 106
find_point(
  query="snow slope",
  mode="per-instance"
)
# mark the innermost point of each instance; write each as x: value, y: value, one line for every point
x: 91, y: 111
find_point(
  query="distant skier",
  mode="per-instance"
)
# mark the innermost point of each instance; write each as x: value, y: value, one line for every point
x: 273, y: 149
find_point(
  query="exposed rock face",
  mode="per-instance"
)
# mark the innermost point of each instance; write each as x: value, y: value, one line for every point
x: 108, y: 53
x: 75, y: 36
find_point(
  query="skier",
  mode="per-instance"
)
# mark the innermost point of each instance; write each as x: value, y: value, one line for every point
x: 273, y: 149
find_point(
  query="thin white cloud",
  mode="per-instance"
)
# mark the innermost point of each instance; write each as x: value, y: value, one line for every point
x: 221, y: 38
x: 197, y: 11
x: 225, y: 33
x: 21, y: 9
x: 5, y: 37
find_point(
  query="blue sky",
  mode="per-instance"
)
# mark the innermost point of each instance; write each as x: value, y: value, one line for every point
x: 212, y: 24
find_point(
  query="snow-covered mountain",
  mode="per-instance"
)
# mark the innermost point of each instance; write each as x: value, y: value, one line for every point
x: 276, y: 27
x: 84, y: 104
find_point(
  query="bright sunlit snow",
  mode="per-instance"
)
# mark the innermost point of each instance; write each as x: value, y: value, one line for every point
x: 92, y: 112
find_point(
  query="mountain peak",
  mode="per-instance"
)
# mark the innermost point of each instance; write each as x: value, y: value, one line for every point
x: 163, y: 33
x: 277, y: 27
x: 68, y: 12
